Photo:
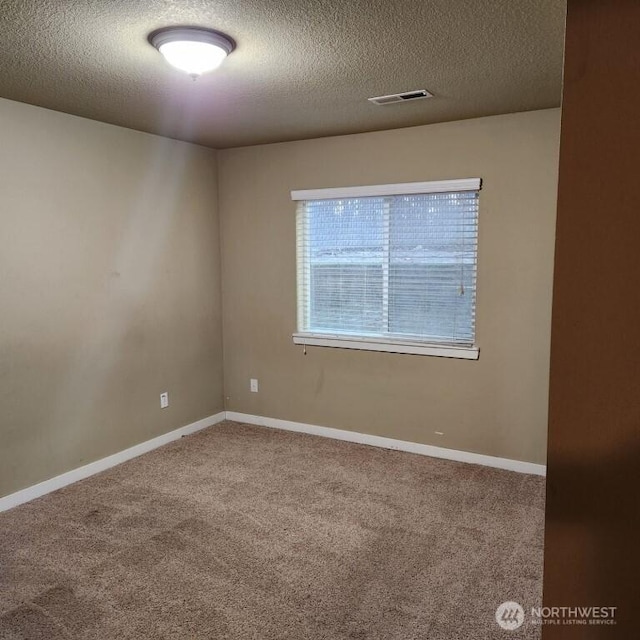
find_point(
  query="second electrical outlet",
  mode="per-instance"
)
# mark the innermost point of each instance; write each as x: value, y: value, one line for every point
x: 254, y: 385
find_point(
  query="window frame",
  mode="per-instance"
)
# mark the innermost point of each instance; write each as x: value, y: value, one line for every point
x: 382, y: 343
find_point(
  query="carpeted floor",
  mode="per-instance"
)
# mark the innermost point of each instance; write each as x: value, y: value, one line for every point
x: 243, y: 532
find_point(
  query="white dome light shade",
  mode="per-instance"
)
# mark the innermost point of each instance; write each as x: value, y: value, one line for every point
x: 195, y: 58
x: 192, y: 50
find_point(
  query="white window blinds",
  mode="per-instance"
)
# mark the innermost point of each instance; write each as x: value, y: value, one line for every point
x: 396, y: 266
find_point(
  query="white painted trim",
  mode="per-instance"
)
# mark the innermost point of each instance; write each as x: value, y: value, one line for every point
x: 390, y: 443
x: 53, y: 484
x: 388, y: 345
x: 405, y: 188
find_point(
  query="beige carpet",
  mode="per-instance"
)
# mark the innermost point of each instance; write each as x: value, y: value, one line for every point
x: 243, y: 532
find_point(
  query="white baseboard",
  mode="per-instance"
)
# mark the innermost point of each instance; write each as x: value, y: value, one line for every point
x: 390, y: 443
x: 42, y: 488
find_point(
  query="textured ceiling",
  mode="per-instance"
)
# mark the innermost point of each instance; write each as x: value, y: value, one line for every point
x: 302, y: 68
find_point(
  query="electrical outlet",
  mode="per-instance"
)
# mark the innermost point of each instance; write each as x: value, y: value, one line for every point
x: 164, y: 400
x: 254, y: 385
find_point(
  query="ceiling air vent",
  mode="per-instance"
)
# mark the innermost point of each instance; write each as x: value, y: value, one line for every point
x: 402, y: 97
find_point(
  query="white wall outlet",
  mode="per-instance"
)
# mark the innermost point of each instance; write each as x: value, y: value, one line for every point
x: 254, y: 385
x: 164, y: 400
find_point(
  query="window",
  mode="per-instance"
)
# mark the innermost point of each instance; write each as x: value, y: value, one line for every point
x: 389, y: 267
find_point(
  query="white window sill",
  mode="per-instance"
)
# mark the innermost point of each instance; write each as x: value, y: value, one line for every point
x: 387, y: 345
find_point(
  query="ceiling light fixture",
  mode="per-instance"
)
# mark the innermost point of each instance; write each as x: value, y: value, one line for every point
x: 192, y: 49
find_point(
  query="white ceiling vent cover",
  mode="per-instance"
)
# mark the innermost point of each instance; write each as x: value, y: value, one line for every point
x: 418, y: 94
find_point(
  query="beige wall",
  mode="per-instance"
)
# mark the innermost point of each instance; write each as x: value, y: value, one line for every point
x: 496, y: 406
x: 109, y: 290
